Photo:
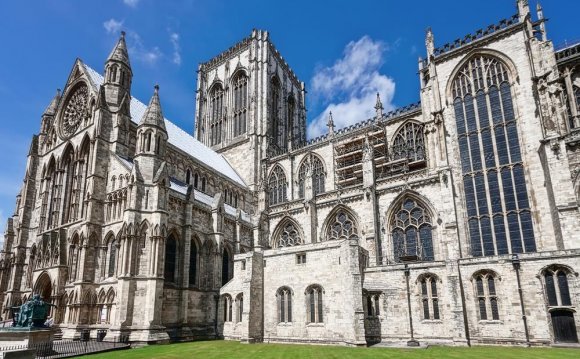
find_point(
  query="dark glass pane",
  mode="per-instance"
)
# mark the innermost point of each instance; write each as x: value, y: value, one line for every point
x: 282, y: 307
x: 289, y: 305
x: 494, y: 193
x: 482, y: 309
x: 377, y: 306
x: 470, y: 114
x: 506, y: 98
x: 495, y: 105
x: 369, y: 306
x: 398, y: 243
x: 469, y: 196
x: 479, y: 286
x: 501, y: 145
x: 480, y: 193
x: 488, y: 151
x: 508, y: 190
x: 514, y: 143
x: 320, y: 317
x: 487, y: 237
x: 475, y: 238
x: 424, y: 287
x: 312, y: 307
x: 426, y: 309
x: 459, y: 118
x: 514, y: 230
x: 436, y: 309
x: 494, y: 309
x: 491, y: 285
x: 411, y: 247
x: 475, y: 152
x: 520, y: 184
x: 564, y: 290
x: 433, y: 287
x: 500, y: 235
x: 192, y: 263
x: 551, y: 289
x: 426, y: 242
x: 528, y: 231
x: 464, y: 151
x: 170, y: 254
x: 482, y: 110
x: 112, y: 258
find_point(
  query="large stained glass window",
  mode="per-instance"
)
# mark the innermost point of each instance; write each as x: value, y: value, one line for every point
x: 498, y: 210
x: 412, y: 233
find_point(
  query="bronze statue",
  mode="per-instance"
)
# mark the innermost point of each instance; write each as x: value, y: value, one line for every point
x: 32, y: 314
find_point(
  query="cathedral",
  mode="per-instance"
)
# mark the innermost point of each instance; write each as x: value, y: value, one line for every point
x: 450, y: 221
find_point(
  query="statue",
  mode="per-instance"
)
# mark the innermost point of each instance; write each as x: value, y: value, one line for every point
x: 32, y: 314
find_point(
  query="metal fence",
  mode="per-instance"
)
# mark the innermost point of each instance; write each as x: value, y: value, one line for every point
x: 70, y: 348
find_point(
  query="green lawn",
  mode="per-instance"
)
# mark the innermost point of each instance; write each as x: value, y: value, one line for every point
x: 231, y: 349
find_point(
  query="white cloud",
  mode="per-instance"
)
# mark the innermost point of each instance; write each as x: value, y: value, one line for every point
x: 131, y: 3
x: 174, y: 39
x: 353, y: 81
x: 113, y: 26
x: 138, y: 50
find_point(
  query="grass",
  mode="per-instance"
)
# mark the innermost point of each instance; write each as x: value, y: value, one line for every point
x: 232, y: 349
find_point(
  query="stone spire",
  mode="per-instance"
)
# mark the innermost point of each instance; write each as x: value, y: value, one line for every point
x: 51, y: 109
x: 379, y: 107
x: 523, y: 9
x: 153, y: 115
x: 120, y: 52
x: 540, y: 13
x: 330, y: 124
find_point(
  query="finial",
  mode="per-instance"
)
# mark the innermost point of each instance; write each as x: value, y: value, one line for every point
x: 429, y: 42
x: 58, y: 92
x: 330, y: 124
x: 379, y: 107
x: 156, y: 87
x: 123, y: 34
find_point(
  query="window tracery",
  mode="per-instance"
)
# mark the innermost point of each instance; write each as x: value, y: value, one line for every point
x: 430, y: 297
x: 342, y: 226
x: 485, y: 290
x: 289, y: 236
x: 409, y: 143
x: 315, y: 312
x: 240, y: 103
x: 498, y: 210
x: 277, y: 186
x: 316, y: 169
x: 217, y: 114
x: 75, y: 111
x: 284, y: 298
x: 412, y: 232
x: 557, y: 288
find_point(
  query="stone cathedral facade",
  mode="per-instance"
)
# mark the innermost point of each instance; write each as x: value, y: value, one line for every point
x: 450, y: 221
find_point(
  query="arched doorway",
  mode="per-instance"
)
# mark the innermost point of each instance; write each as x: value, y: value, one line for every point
x: 43, y: 287
x: 564, y: 326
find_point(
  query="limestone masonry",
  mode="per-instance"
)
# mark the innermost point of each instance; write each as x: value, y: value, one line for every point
x: 450, y: 221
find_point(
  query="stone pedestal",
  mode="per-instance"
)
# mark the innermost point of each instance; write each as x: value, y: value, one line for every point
x: 25, y: 336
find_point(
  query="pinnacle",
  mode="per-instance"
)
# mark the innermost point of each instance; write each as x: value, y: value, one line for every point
x: 153, y: 114
x: 120, y: 52
x: 51, y: 109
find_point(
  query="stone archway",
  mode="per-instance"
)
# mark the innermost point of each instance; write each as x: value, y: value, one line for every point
x: 43, y: 287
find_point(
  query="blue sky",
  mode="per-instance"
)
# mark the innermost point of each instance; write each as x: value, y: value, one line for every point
x: 343, y: 50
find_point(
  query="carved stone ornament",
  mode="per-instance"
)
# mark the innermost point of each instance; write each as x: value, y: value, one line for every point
x: 75, y: 111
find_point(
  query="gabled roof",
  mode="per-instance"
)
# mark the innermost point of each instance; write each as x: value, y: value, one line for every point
x: 178, y: 137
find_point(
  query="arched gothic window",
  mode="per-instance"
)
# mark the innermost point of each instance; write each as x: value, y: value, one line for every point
x: 170, y: 259
x: 575, y: 122
x: 487, y: 296
x: 290, y: 119
x: 112, y: 258
x: 342, y: 226
x: 412, y: 232
x: 277, y: 186
x: 289, y: 236
x: 429, y: 297
x: 373, y: 304
x: 284, y: 298
x: 278, y: 134
x: 216, y: 113
x: 314, y: 308
x: 239, y: 307
x: 227, y: 302
x: 557, y: 289
x: 188, y: 176
x: 496, y: 196
x: 316, y: 168
x: 409, y: 143
x: 193, y: 263
x: 227, y: 266
x: 240, y: 103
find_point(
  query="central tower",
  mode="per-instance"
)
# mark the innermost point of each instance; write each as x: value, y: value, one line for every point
x: 250, y: 105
